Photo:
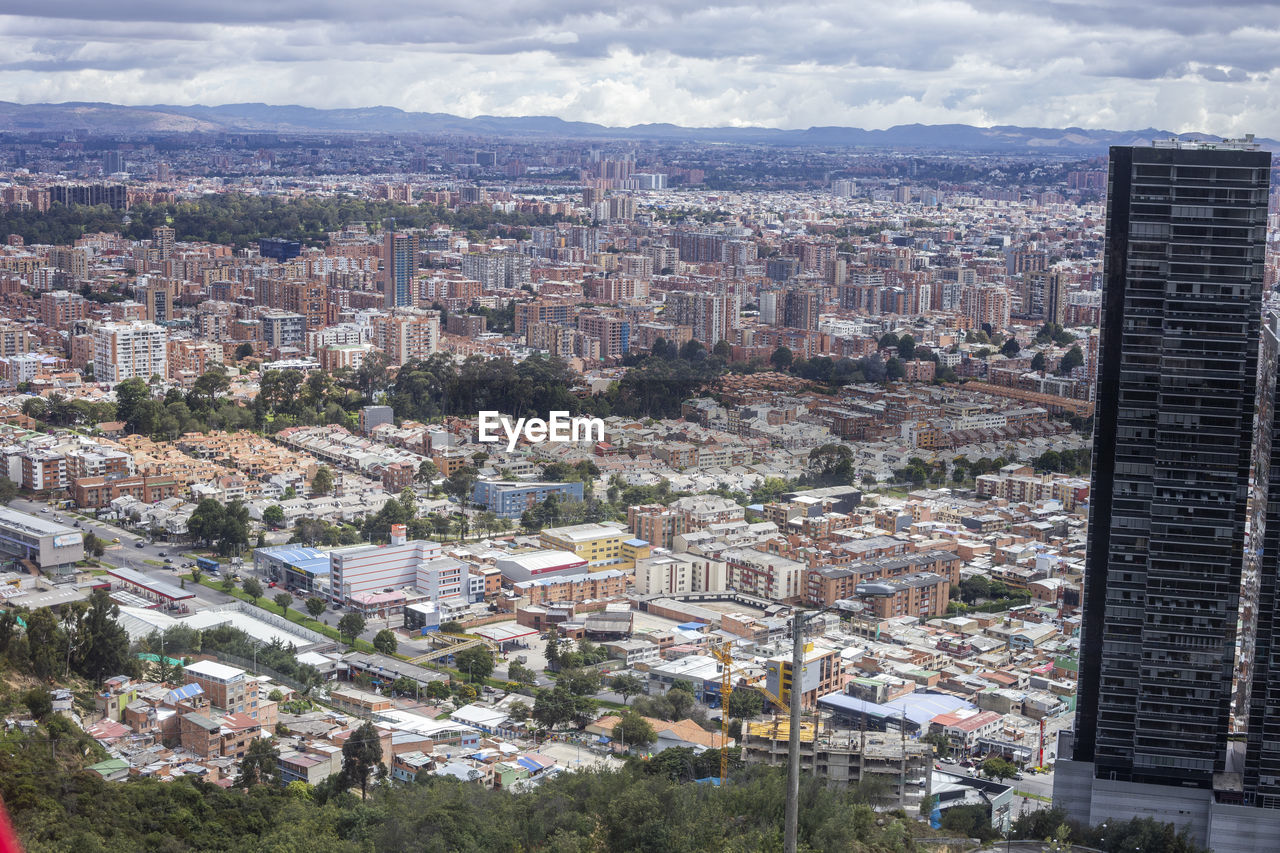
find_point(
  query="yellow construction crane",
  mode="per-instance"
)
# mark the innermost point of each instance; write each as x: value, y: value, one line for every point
x: 724, y: 654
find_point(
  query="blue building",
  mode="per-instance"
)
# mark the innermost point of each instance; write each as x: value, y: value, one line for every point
x: 299, y: 569
x: 509, y: 499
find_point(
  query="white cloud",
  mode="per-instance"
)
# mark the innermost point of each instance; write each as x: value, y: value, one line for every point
x: 1123, y: 64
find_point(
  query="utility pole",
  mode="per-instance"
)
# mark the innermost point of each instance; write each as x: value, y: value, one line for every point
x: 792, y: 822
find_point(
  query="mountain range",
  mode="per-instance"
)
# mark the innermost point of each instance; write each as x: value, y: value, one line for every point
x: 167, y: 118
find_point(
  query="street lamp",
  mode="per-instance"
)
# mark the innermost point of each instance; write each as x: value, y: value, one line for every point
x: 798, y: 622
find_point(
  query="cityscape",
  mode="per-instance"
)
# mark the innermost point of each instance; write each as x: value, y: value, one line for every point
x: 440, y: 475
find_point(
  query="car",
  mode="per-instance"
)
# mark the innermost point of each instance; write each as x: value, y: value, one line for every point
x: 135, y: 544
x: 77, y: 524
x: 44, y: 509
x: 271, y: 585
x: 116, y: 541
x: 163, y: 554
x: 168, y: 562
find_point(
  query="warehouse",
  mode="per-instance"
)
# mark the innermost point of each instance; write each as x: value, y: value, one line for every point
x: 519, y: 568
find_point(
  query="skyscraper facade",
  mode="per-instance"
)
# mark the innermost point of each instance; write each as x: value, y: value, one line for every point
x: 400, y: 261
x: 1179, y: 430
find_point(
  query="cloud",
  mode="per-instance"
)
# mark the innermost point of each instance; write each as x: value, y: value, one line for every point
x: 1175, y: 64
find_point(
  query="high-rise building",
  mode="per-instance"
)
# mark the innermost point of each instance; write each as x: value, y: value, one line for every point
x: 129, y: 350
x: 801, y: 308
x: 162, y: 239
x: 399, y: 262
x: 1172, y: 565
x: 712, y: 318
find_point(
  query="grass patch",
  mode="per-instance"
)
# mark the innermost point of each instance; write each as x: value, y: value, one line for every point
x: 153, y: 562
x: 1030, y: 796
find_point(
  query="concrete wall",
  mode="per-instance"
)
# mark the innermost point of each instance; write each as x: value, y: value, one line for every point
x: 1185, y: 808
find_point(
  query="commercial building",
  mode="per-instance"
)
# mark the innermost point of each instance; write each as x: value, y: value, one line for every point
x: 599, y: 544
x: 518, y: 568
x: 820, y: 674
x: 1170, y: 570
x: 509, y: 499
x: 356, y: 572
x: 54, y: 548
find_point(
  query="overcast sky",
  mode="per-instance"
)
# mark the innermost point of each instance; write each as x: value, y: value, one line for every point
x: 1181, y: 65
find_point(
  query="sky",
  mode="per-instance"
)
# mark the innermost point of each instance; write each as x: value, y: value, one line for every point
x: 1179, y: 65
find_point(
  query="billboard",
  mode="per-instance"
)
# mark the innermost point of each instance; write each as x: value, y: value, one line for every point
x: 66, y: 540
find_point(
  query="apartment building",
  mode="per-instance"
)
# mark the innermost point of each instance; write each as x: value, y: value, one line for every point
x: 129, y: 351
x: 406, y: 335
x: 765, y: 575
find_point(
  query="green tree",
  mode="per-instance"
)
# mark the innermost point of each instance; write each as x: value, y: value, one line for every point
x: 260, y: 765
x: 273, y: 516
x: 283, y: 600
x: 998, y: 768
x: 385, y: 642
x: 39, y: 702
x: 634, y: 731
x: 460, y: 483
x: 361, y: 755
x: 1010, y: 348
x: 8, y: 490
x: 941, y: 743
x: 315, y: 606
x: 906, y: 347
x: 1039, y: 362
x: 322, y: 483
x: 427, y: 472
x: 351, y: 626
x: 681, y: 701
x: 746, y: 704
x: 1073, y: 359
x: 476, y: 662
x: 626, y: 685
x: 253, y: 589
x: 781, y: 359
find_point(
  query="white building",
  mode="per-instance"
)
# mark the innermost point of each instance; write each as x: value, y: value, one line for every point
x: 129, y: 350
x: 377, y: 568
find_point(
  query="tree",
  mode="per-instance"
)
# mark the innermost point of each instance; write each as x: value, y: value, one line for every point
x: 261, y: 764
x: 518, y: 711
x: 385, y: 642
x: 906, y: 347
x: 322, y: 483
x: 315, y: 606
x: 634, y: 731
x: 427, y: 472
x: 93, y: 545
x: 452, y: 627
x: 460, y: 483
x: 1011, y: 348
x: 39, y: 702
x: 521, y: 674
x: 941, y: 743
x: 8, y: 490
x: 998, y: 768
x: 1039, y: 362
x: 1073, y: 359
x: 746, y: 704
x: 273, y: 516
x: 351, y: 626
x: 680, y: 700
x: 781, y: 358
x: 476, y: 662
x: 626, y: 685
x: 283, y: 600
x: 437, y: 690
x: 361, y: 754
x: 244, y: 351
x: 253, y: 589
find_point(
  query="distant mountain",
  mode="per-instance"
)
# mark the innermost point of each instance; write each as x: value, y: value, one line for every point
x: 162, y: 118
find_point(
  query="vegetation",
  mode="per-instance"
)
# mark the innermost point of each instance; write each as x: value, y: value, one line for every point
x: 85, y: 640
x: 634, y: 731
x: 476, y: 662
x: 385, y: 642
x: 241, y: 220
x: 647, y: 806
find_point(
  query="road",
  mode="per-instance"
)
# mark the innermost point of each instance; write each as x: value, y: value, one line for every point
x: 127, y: 554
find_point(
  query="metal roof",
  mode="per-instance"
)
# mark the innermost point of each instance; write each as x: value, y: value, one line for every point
x: 162, y: 588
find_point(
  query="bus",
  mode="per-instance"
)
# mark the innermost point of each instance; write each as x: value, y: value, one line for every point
x: 205, y: 564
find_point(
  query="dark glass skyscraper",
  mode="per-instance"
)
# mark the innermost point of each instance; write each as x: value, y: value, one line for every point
x: 1169, y: 576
